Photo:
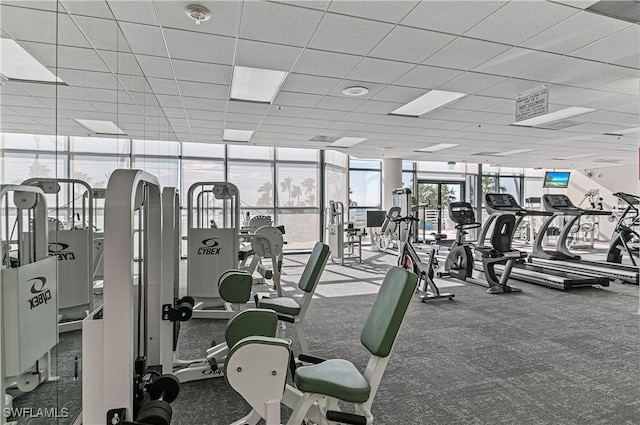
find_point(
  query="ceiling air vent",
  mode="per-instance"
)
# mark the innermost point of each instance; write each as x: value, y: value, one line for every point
x: 323, y: 139
x: 624, y: 10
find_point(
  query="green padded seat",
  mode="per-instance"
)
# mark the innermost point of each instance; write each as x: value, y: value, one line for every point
x: 281, y: 305
x: 335, y: 378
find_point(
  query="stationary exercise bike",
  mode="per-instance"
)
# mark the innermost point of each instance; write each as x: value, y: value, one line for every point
x: 408, y: 259
x: 459, y: 262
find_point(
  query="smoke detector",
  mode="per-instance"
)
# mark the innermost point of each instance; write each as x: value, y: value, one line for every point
x: 355, y: 91
x: 197, y: 13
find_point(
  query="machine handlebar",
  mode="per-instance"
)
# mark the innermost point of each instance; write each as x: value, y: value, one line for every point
x: 405, y: 218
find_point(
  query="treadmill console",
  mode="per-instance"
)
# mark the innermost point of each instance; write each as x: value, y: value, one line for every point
x: 557, y: 203
x: 501, y: 202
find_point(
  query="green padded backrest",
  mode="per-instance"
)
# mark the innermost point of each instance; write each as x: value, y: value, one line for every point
x: 250, y: 322
x: 387, y: 313
x: 392, y: 213
x: 235, y: 286
x: 315, y: 266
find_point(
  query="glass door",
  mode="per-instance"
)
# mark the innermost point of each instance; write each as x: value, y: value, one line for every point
x: 434, y: 198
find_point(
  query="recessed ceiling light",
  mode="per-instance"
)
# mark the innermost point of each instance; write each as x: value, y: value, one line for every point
x: 355, y: 91
x: 514, y: 152
x: 347, y: 142
x: 323, y: 139
x: 230, y: 135
x: 634, y: 130
x: 428, y: 102
x: 256, y: 84
x: 438, y: 147
x: 554, y: 116
x: 101, y: 127
x: 16, y: 64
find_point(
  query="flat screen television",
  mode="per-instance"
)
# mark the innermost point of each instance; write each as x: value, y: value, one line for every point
x: 376, y: 218
x: 556, y: 179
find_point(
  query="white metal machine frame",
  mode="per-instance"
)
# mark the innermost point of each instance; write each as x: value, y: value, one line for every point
x: 73, y: 246
x: 28, y: 294
x: 130, y: 322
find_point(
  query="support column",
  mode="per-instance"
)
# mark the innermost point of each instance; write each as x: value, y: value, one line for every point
x: 391, y: 179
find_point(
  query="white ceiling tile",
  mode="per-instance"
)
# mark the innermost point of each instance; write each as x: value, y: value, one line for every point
x: 203, y: 104
x: 465, y: 54
x: 324, y: 114
x: 582, y: 4
x: 575, y: 32
x: 327, y: 64
x: 311, y: 123
x: 454, y: 17
x: 346, y: 126
x: 474, y: 102
x: 103, y: 33
x: 278, y: 121
x: 632, y: 60
x: 41, y: 90
x: 14, y: 88
x: 245, y: 118
x: 139, y: 11
x: 174, y: 112
x: 255, y: 54
x: 43, y: 27
x: 163, y: 86
x: 511, y: 88
x: 616, y: 47
x: 409, y: 44
x: 577, y: 72
x: 65, y: 56
x: 515, y: 61
x: 471, y: 82
x: 144, y: 39
x: 398, y: 94
x: 340, y: 104
x: 210, y: 91
x: 224, y: 16
x: 202, y: 72
x: 348, y: 35
x: 609, y: 118
x: 359, y: 117
x: 278, y: 23
x: 392, y: 11
x: 308, y: 84
x: 377, y: 107
x: 289, y: 111
x: 427, y: 77
x: 157, y: 67
x: 19, y: 119
x: 507, y: 25
x: 296, y: 99
x: 26, y: 101
x: 194, y: 114
x: 247, y: 107
x: 379, y: 70
x: 69, y: 104
x: 97, y: 8
x: 201, y: 47
x: 120, y: 63
x: 169, y: 101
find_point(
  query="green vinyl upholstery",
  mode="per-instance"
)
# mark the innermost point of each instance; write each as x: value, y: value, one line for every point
x: 250, y: 322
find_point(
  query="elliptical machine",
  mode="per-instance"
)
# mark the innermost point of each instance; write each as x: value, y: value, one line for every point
x: 459, y: 262
x: 624, y: 232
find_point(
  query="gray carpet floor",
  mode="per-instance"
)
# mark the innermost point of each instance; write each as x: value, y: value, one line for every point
x: 541, y: 356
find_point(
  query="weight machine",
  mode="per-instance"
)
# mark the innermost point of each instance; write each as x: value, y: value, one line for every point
x: 127, y: 344
x: 343, y: 240
x: 72, y: 242
x: 28, y: 294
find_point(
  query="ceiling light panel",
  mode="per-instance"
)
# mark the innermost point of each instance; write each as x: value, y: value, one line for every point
x: 230, y: 135
x: 18, y: 64
x: 428, y: 102
x: 100, y: 127
x: 438, y: 147
x: 514, y: 152
x: 555, y: 116
x: 256, y: 84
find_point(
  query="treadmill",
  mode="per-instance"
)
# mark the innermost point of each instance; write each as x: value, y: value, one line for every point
x: 504, y: 203
x: 562, y: 258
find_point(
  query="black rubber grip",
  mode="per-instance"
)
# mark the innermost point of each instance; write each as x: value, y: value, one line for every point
x: 305, y: 358
x: 346, y: 418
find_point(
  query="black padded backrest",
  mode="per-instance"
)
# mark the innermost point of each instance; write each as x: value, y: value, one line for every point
x: 503, y: 232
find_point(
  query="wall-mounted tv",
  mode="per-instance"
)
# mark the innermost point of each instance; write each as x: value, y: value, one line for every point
x: 556, y: 179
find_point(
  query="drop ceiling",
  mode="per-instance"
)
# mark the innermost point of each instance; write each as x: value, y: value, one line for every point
x: 151, y: 70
